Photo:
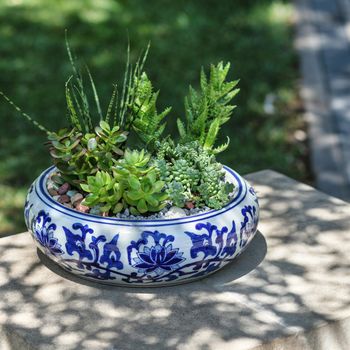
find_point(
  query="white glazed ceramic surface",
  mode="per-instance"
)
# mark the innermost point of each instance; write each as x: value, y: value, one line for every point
x: 142, y: 252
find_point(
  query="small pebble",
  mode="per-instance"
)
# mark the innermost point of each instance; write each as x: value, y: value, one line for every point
x: 126, y: 212
x: 64, y: 188
x: 82, y: 208
x: 174, y: 213
x: 71, y: 193
x: 56, y: 197
x: 78, y: 197
x: 189, y: 205
x: 64, y: 199
x: 52, y: 185
x: 68, y: 205
x: 52, y: 192
x: 95, y: 210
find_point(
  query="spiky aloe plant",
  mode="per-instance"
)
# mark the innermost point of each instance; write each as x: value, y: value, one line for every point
x: 208, y: 109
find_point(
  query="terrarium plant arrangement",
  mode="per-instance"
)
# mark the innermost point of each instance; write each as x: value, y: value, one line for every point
x: 158, y: 210
x: 99, y: 172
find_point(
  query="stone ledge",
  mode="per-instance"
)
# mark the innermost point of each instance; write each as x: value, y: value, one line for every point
x: 292, y: 280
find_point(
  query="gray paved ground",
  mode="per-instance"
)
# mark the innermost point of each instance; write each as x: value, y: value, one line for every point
x: 323, y: 41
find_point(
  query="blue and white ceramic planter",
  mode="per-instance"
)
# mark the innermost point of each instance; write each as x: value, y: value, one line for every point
x: 142, y: 252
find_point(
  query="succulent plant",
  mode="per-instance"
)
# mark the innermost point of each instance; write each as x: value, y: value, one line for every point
x: 177, y: 193
x: 192, y: 174
x: 103, y: 191
x: 213, y: 189
x: 143, y: 190
x: 77, y: 155
x: 209, y: 108
x: 147, y: 123
x: 92, y: 155
x: 145, y: 194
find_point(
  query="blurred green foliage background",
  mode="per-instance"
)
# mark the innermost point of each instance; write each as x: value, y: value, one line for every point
x: 256, y: 36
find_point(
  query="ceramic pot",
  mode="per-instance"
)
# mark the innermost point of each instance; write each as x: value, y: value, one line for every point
x: 141, y: 252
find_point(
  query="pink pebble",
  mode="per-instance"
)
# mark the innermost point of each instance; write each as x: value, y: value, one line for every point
x: 78, y: 197
x: 64, y: 199
x: 64, y: 188
x: 82, y: 208
x: 52, y: 192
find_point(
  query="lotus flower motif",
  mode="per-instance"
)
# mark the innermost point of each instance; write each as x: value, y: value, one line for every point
x: 158, y: 259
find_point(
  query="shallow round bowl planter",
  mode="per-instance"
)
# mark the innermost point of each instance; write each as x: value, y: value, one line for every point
x: 142, y: 252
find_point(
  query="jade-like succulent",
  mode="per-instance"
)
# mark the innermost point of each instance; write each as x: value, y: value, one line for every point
x: 77, y: 155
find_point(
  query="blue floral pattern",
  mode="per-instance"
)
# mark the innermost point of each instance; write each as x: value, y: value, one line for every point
x: 156, y: 257
x: 43, y: 231
x: 249, y: 224
x: 27, y: 207
x: 153, y: 254
x: 89, y: 258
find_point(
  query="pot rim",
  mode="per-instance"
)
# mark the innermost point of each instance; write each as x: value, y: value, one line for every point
x: 42, y: 193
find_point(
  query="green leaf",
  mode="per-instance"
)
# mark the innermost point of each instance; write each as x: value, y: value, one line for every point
x: 142, y: 206
x: 92, y: 144
x: 135, y: 195
x: 25, y: 115
x: 134, y: 211
x: 118, y: 208
x: 74, y: 120
x: 134, y: 182
x: 158, y: 186
x: 152, y: 176
x: 85, y: 187
x: 104, y: 126
x: 105, y: 208
x: 222, y: 147
x: 212, y: 134
x: 152, y: 200
x: 121, y: 138
x: 181, y: 128
x: 97, y: 100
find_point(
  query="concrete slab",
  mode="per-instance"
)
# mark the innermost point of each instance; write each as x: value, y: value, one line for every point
x: 292, y: 281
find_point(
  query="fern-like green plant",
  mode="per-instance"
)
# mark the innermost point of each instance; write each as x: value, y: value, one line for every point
x: 147, y: 123
x: 208, y: 109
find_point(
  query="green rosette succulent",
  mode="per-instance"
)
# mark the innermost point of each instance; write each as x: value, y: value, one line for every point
x: 143, y: 189
x: 103, y: 191
x: 145, y: 194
